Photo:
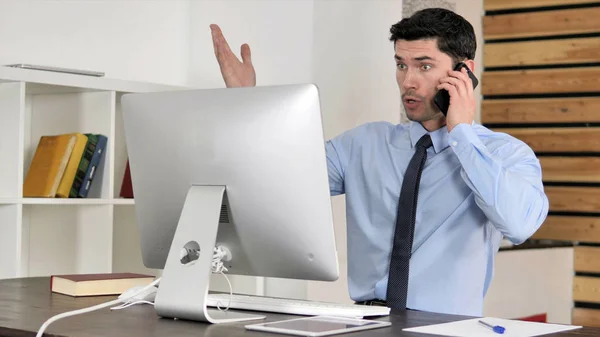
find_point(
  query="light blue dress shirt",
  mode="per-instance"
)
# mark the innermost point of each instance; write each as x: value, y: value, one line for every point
x: 476, y: 187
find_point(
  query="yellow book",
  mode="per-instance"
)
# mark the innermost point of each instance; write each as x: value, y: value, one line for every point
x: 48, y: 165
x: 71, y: 170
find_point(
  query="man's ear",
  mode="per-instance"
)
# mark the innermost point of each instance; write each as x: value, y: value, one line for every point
x: 470, y: 64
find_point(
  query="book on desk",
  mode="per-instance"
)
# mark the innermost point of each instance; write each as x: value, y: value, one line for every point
x: 77, y: 285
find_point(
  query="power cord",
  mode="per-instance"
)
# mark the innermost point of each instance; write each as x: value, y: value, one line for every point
x: 93, y: 308
x: 220, y: 254
x: 128, y: 304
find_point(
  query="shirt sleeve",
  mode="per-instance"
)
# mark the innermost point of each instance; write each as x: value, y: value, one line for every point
x: 338, y: 152
x: 507, y: 182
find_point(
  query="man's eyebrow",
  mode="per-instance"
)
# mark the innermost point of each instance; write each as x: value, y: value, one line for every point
x: 420, y: 58
x: 423, y: 58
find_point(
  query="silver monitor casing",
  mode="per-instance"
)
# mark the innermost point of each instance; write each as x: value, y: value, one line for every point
x: 246, y: 163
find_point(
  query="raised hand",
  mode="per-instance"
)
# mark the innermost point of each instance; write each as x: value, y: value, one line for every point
x: 462, y: 100
x: 235, y: 73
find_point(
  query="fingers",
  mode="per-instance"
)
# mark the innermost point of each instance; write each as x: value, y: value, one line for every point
x: 451, y: 88
x: 213, y: 30
x: 246, y: 55
x: 456, y: 83
x: 460, y: 81
x: 219, y: 43
x: 463, y: 76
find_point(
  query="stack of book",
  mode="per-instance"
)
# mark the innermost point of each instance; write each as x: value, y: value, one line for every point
x: 64, y: 165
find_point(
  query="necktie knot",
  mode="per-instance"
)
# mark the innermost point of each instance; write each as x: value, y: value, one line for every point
x: 425, y: 141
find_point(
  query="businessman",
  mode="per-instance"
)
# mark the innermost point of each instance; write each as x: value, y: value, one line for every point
x: 428, y: 201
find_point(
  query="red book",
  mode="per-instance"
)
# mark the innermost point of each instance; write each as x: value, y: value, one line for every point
x: 126, y: 186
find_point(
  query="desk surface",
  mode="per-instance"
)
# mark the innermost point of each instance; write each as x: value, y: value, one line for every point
x: 25, y: 304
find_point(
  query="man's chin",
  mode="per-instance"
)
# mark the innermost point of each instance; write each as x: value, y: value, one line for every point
x: 423, y: 116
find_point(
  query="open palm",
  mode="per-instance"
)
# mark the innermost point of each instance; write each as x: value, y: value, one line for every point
x: 236, y: 73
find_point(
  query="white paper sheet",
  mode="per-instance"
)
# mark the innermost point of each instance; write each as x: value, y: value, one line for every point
x: 472, y: 328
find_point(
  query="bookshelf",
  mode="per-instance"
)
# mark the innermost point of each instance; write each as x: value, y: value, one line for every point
x: 44, y: 236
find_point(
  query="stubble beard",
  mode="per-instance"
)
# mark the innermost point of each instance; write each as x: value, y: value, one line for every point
x: 430, y: 114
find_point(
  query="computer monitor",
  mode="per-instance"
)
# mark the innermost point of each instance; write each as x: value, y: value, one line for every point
x: 244, y: 168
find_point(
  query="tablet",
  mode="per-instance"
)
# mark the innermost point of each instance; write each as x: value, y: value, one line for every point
x: 318, y: 326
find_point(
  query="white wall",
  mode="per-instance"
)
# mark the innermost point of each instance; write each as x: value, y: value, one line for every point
x: 530, y: 282
x: 279, y: 34
x: 127, y: 39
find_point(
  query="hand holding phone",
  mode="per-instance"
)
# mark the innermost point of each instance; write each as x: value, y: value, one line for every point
x: 442, y: 98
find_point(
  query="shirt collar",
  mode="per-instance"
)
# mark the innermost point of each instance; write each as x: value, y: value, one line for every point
x: 439, y: 137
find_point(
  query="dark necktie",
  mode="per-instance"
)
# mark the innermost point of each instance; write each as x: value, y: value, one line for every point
x: 397, y: 288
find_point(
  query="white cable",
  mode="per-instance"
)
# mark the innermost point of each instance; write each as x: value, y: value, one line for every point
x: 220, y: 254
x: 230, y: 295
x: 90, y: 309
x: 128, y: 304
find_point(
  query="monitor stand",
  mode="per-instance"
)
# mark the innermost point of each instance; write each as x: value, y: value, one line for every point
x: 184, y: 284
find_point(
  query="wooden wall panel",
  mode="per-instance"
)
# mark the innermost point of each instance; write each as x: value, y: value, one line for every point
x: 587, y: 259
x: 541, y: 84
x: 545, y: 52
x: 573, y: 198
x: 542, y: 23
x: 586, y: 317
x: 541, y: 110
x: 490, y: 5
x: 541, y: 81
x: 570, y: 169
x: 555, y: 139
x: 586, y: 289
x: 570, y: 228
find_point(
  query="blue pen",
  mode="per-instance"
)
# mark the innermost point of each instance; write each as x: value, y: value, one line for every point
x: 497, y: 328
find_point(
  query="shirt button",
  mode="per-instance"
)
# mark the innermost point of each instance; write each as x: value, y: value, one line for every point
x: 454, y: 143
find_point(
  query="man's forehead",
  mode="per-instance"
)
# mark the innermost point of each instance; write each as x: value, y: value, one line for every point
x: 417, y: 49
x: 426, y: 44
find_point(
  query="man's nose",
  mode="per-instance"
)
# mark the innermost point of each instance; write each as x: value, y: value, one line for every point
x: 410, y: 81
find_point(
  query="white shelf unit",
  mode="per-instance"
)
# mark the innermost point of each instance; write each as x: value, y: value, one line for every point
x: 45, y: 236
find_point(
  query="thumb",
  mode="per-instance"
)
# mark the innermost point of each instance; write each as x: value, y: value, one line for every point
x: 246, y: 55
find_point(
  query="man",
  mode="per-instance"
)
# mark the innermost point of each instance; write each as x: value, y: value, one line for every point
x: 475, y: 187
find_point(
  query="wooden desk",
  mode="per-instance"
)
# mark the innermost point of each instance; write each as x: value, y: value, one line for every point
x: 25, y: 304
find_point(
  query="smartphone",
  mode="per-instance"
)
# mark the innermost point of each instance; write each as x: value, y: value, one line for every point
x: 442, y: 98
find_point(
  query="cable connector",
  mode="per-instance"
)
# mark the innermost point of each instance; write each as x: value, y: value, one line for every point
x: 220, y: 254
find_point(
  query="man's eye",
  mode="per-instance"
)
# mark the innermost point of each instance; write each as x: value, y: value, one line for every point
x: 401, y: 66
x: 426, y: 66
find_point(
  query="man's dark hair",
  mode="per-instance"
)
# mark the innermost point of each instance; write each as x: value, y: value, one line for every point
x: 455, y: 35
